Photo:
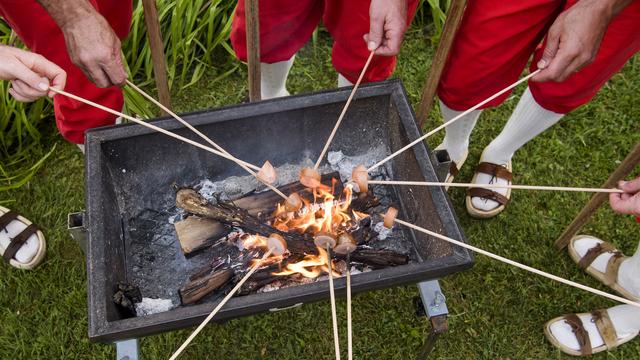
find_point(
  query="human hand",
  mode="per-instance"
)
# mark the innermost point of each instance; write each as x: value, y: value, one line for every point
x: 574, y: 39
x: 629, y: 201
x: 95, y: 48
x: 388, y: 22
x: 30, y: 74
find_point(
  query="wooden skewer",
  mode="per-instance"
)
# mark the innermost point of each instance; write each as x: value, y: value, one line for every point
x: 344, y: 111
x: 334, y: 316
x: 349, y: 328
x: 519, y: 265
x: 453, y: 120
x: 242, y: 164
x: 184, y: 122
x: 220, y: 305
x: 495, y: 186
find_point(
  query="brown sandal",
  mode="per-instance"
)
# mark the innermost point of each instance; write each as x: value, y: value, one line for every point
x: 603, y: 323
x: 496, y: 171
x: 610, y: 276
x: 8, y: 254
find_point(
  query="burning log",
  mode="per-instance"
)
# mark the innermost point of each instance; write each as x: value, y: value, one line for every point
x: 201, y: 286
x: 379, y: 258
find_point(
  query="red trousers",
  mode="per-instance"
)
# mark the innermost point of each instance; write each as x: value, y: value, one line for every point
x: 286, y: 25
x: 497, y: 38
x: 42, y: 35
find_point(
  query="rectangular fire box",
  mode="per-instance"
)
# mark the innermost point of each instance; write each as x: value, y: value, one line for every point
x: 132, y: 170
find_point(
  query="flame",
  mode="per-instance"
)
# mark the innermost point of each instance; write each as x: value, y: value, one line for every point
x: 326, y: 213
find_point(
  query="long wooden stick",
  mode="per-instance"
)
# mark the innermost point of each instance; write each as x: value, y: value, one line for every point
x: 184, y: 122
x: 349, y: 328
x: 344, y: 111
x: 157, y: 51
x: 220, y: 305
x: 252, y: 16
x: 421, y: 138
x: 495, y: 186
x: 519, y: 265
x: 334, y: 315
x: 243, y: 164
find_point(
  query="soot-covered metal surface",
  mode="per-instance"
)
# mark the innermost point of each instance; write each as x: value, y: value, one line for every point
x: 132, y: 174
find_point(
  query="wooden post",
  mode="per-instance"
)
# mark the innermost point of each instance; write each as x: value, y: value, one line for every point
x: 253, y: 48
x: 625, y: 168
x: 157, y: 52
x: 451, y: 25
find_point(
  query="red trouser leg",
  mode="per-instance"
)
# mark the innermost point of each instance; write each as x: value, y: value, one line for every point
x: 495, y: 40
x: 285, y: 26
x: 620, y: 42
x: 348, y: 21
x: 40, y: 33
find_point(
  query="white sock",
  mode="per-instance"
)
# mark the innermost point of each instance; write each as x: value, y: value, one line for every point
x: 273, y: 78
x: 528, y: 120
x: 81, y: 147
x: 343, y: 81
x: 456, y: 137
x: 629, y: 272
x: 28, y: 250
x: 625, y: 320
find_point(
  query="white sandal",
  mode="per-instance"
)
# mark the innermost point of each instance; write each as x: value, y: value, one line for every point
x: 19, y: 235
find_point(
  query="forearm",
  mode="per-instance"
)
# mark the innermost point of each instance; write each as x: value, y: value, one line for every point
x: 65, y: 12
x: 611, y: 7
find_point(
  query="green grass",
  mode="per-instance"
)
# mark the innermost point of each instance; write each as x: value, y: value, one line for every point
x: 496, y: 311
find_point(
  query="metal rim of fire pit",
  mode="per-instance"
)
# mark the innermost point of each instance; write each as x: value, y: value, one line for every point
x: 100, y: 329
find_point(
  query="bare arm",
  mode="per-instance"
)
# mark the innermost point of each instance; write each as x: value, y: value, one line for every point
x: 574, y: 38
x: 91, y: 42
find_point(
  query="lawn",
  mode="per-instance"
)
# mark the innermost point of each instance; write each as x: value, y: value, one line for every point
x: 497, y: 311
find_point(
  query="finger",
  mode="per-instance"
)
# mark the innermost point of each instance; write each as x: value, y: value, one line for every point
x: 58, y: 82
x: 48, y: 69
x: 630, y: 187
x: 21, y: 71
x: 551, y: 48
x: 27, y: 91
x: 376, y: 31
x: 558, y: 69
x: 630, y: 206
x: 98, y: 76
x: 390, y: 44
x: 115, y: 70
x: 17, y: 96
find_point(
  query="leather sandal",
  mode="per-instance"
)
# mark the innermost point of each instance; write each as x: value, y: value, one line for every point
x: 603, y: 323
x: 610, y: 276
x: 7, y: 217
x: 496, y: 171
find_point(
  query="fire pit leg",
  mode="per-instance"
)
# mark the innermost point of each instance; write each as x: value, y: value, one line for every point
x: 435, y: 308
x: 127, y: 349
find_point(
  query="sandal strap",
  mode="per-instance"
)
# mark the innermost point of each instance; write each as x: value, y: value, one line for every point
x: 453, y: 169
x: 17, y: 242
x: 488, y: 194
x: 495, y: 170
x: 593, y: 253
x: 7, y: 218
x: 613, y: 266
x: 605, y: 327
x: 581, y: 334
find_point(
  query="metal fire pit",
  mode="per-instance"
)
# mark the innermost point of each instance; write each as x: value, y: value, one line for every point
x: 130, y: 168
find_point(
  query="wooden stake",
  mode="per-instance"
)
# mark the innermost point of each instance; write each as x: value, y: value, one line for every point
x: 628, y: 164
x: 449, y: 30
x: 519, y: 265
x: 219, y: 306
x: 495, y: 186
x: 349, y: 328
x: 421, y: 138
x: 344, y: 111
x: 184, y: 122
x: 168, y: 133
x: 157, y: 51
x: 334, y: 316
x: 252, y: 16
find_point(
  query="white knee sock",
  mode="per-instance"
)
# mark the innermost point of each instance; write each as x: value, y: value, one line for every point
x: 456, y: 137
x: 528, y: 120
x: 273, y: 78
x: 343, y: 81
x: 629, y: 273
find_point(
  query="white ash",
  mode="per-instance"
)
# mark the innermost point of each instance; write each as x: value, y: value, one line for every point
x: 344, y: 164
x: 149, y: 306
x: 382, y: 230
